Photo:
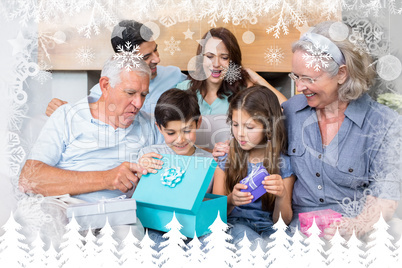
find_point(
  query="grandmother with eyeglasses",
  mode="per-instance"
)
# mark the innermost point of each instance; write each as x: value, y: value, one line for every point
x: 345, y: 148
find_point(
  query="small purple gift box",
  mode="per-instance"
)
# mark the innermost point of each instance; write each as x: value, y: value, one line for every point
x: 254, y: 182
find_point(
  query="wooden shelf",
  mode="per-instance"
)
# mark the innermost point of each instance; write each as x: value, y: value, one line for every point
x: 64, y: 56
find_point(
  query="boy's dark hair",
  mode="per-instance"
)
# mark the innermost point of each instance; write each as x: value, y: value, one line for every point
x: 134, y: 32
x: 176, y: 104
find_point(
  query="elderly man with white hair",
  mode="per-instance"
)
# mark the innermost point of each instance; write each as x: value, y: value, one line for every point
x: 83, y: 148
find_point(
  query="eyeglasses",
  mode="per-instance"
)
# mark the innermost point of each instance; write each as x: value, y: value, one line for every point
x: 304, y: 79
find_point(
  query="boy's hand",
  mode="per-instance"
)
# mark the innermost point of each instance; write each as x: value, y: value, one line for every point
x: 149, y: 162
x: 53, y: 105
x: 220, y: 149
x: 273, y: 184
x: 239, y: 198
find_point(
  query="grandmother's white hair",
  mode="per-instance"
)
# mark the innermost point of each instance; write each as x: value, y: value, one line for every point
x: 113, y: 68
x: 360, y: 70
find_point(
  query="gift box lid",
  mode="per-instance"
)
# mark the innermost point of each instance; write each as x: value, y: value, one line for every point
x: 180, y: 185
x: 102, y: 207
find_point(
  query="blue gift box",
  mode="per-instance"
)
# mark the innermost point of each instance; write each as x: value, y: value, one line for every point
x: 180, y: 187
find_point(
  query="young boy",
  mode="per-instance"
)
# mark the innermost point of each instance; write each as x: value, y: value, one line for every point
x: 177, y: 116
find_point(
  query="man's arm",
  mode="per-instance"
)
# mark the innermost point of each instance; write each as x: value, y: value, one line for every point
x: 258, y: 80
x: 40, y: 178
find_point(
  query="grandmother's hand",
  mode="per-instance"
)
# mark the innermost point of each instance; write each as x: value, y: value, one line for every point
x: 363, y: 223
x: 53, y: 105
x: 123, y: 177
x: 345, y: 228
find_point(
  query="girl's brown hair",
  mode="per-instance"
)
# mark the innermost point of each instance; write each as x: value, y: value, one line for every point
x: 263, y: 106
x: 226, y: 88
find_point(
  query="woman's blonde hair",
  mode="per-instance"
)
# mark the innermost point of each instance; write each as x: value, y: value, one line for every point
x: 360, y: 70
x: 263, y: 106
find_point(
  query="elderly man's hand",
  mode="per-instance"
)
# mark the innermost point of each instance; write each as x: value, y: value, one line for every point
x: 53, y: 105
x: 123, y: 177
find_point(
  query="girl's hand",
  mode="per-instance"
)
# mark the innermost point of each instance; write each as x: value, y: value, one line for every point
x: 273, y: 184
x: 149, y: 162
x: 239, y: 198
x: 220, y: 149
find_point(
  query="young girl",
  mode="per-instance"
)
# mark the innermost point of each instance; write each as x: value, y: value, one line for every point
x: 259, y: 139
